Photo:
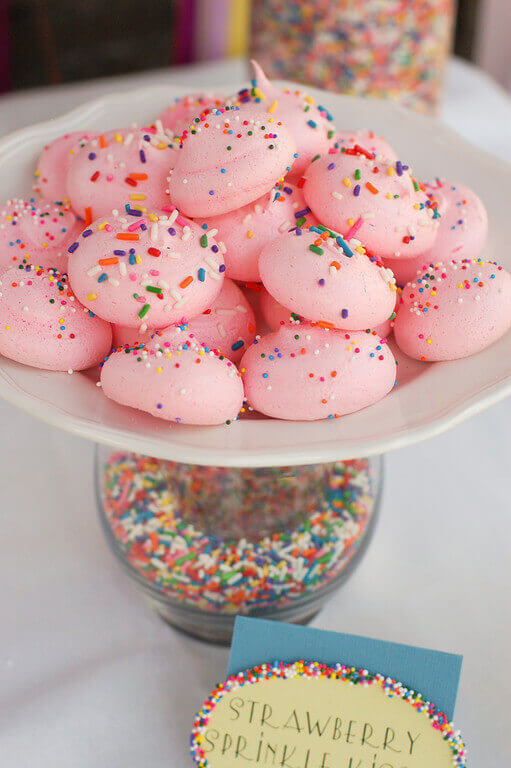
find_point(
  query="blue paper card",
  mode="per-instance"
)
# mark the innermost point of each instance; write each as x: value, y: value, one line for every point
x: 434, y: 674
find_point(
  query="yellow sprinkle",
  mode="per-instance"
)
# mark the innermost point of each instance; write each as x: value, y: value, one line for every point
x: 61, y: 320
x: 45, y: 245
x: 250, y: 234
x: 159, y: 369
x: 273, y: 107
x: 137, y: 197
x: 428, y: 341
x: 390, y: 171
x: 259, y: 94
x: 351, y: 222
x: 91, y: 296
x: 7, y: 327
x: 138, y: 260
x: 388, y: 196
x: 153, y: 217
x: 102, y: 225
x: 347, y: 182
x: 161, y: 145
x: 37, y: 173
x: 118, y: 138
x: 360, y: 249
x: 309, y: 99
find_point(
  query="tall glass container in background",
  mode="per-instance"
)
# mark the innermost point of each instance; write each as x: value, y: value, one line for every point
x: 394, y: 49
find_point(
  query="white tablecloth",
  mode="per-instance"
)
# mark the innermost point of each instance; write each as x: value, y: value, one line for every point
x: 91, y: 678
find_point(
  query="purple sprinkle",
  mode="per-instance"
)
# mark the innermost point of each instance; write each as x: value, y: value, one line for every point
x: 399, y: 168
x: 321, y: 281
x: 92, y: 155
x: 356, y: 190
x: 133, y: 212
x: 301, y: 214
x: 72, y: 248
x: 214, y: 248
x: 143, y: 227
x: 288, y: 190
x: 87, y: 233
x: 331, y: 166
x: 405, y: 167
x: 344, y: 314
x: 119, y: 253
x: 142, y: 155
x: 172, y: 231
x: 221, y: 268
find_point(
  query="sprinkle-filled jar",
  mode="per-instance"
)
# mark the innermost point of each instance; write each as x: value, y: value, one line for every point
x: 207, y: 543
x: 394, y: 49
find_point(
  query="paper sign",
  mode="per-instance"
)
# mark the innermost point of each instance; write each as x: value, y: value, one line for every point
x: 313, y: 716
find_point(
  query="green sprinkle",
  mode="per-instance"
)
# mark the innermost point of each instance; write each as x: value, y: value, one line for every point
x: 316, y: 157
x: 317, y: 250
x: 301, y: 221
x: 415, y: 186
x: 204, y: 241
x: 143, y: 312
x: 358, y: 175
x: 330, y: 134
x: 393, y: 316
x: 153, y: 289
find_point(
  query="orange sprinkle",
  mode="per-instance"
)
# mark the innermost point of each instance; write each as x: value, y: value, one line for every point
x: 106, y: 262
x: 88, y: 216
x: 102, y: 141
x: 138, y: 176
x: 323, y: 324
x: 335, y: 264
x: 371, y: 188
x: 186, y: 282
x: 127, y: 236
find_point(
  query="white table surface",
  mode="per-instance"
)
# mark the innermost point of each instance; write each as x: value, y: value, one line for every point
x: 91, y: 678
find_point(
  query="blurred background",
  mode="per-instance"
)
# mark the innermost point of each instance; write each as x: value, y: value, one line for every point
x: 53, y: 41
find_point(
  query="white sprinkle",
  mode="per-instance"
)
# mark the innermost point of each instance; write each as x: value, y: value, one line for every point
x: 336, y: 195
x: 94, y: 271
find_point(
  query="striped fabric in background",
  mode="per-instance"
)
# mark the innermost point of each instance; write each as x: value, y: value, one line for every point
x: 211, y: 29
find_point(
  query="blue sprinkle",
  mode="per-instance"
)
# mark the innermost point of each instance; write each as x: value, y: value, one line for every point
x: 344, y: 314
x: 237, y: 345
x: 102, y: 277
x: 201, y: 274
x: 132, y: 260
x: 312, y: 123
x: 92, y: 155
x: 87, y: 233
x: 321, y: 281
x: 211, y: 191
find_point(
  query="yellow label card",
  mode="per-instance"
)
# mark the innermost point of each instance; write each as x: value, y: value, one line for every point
x: 312, y: 716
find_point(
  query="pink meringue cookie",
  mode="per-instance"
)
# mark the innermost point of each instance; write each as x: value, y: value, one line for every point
x: 310, y: 126
x: 44, y: 326
x: 174, y: 379
x: 36, y: 232
x: 233, y: 156
x: 245, y: 231
x: 145, y: 271
x: 53, y: 164
x: 228, y: 326
x: 177, y: 117
x: 463, y: 224
x: 407, y: 269
x: 394, y: 219
x: 322, y: 280
x: 454, y: 310
x: 119, y: 167
x: 307, y: 372
x: 275, y: 315
x: 377, y: 145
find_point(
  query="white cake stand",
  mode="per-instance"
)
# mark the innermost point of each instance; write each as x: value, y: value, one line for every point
x: 429, y: 399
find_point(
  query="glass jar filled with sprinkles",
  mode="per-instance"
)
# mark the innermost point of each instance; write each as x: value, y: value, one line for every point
x: 208, y: 543
x: 394, y: 49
